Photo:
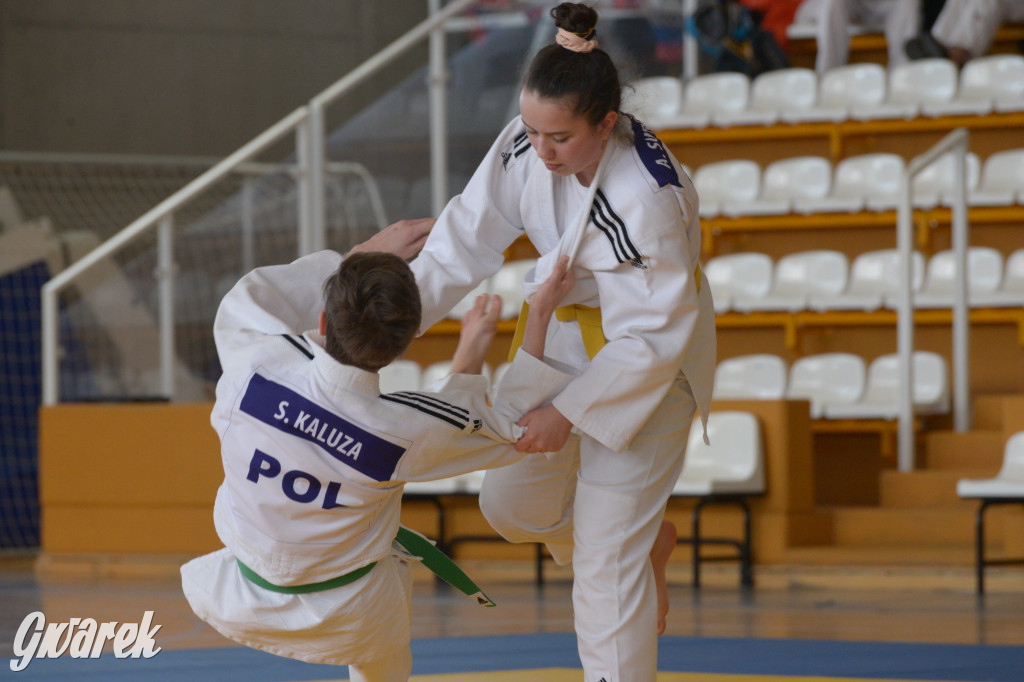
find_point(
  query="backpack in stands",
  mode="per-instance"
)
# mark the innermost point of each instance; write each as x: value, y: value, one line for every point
x: 732, y: 35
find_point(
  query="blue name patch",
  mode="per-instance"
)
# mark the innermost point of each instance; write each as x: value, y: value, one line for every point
x: 286, y: 410
x: 652, y: 152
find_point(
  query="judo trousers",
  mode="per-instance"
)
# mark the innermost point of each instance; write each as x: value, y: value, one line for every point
x: 601, y: 510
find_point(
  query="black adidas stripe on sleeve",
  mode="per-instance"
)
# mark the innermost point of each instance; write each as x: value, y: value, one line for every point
x: 435, y: 408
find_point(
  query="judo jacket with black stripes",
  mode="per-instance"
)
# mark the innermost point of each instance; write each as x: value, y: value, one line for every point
x: 638, y: 261
x: 314, y: 456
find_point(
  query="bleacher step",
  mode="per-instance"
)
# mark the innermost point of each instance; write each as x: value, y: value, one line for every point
x: 925, y: 488
x: 876, y: 526
x: 972, y: 450
x: 880, y: 555
x: 987, y: 409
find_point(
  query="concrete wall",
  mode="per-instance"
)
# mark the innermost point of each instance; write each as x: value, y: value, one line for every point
x: 189, y: 77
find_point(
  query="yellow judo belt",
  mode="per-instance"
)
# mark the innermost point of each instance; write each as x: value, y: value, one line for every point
x: 589, y: 320
x: 414, y: 543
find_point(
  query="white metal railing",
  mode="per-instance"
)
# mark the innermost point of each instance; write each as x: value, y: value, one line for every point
x: 315, y: 237
x: 954, y: 143
x: 307, y: 123
x: 161, y: 215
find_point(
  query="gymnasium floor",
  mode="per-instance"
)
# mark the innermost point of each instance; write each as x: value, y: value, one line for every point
x: 806, y: 625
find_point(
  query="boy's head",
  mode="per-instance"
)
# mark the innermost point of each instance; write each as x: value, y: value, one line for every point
x: 372, y: 310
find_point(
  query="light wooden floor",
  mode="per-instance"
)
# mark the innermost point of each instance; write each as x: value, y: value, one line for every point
x: 853, y: 604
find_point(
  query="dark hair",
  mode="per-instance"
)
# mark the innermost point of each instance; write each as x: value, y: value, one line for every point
x: 589, y: 79
x: 372, y: 309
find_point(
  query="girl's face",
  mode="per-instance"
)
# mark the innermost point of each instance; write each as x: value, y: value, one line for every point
x: 566, y: 143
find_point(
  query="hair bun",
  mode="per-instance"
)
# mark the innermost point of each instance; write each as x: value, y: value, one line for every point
x: 576, y: 18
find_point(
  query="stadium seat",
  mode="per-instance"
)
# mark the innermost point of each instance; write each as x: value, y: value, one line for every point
x: 865, y: 181
x: 874, y: 282
x: 739, y: 274
x: 656, y: 100
x: 507, y: 282
x: 1002, y: 180
x: 783, y: 182
x: 724, y: 472
x: 437, y: 371
x: 912, y: 86
x: 984, y: 275
x: 710, y: 95
x: 985, y: 83
x: 444, y: 486
x: 881, y: 399
x: 844, y: 90
x: 400, y: 375
x: 760, y: 376
x: 797, y: 277
x: 826, y: 379
x: 1011, y: 292
x: 737, y: 181
x: 773, y: 94
x: 933, y: 186
x: 1007, y: 487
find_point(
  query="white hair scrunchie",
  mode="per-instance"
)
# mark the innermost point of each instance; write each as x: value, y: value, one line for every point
x: 571, y: 41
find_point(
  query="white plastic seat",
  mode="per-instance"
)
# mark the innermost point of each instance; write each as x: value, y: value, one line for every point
x: 798, y: 277
x: 656, y: 100
x: 1007, y: 487
x: 437, y: 371
x: 1009, y: 482
x: 738, y: 274
x: 400, y: 375
x: 1002, y: 180
x: 773, y: 94
x: 868, y: 180
x: 760, y: 376
x: 984, y: 275
x: 934, y: 185
x: 1006, y: 74
x: 846, y: 89
x: 874, y: 282
x: 881, y: 399
x: 1011, y: 291
x: 732, y: 464
x: 783, y: 182
x: 723, y: 473
x: 507, y: 282
x: 710, y: 95
x: 827, y: 379
x: 736, y: 181
x: 985, y: 84
x: 912, y: 86
x: 444, y: 486
x: 462, y: 307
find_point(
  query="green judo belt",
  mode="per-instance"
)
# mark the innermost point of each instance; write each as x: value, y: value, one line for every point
x: 415, y: 544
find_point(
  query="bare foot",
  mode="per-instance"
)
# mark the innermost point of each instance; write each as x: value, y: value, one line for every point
x: 662, y: 550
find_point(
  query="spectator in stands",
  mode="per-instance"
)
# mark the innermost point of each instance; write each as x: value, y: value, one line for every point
x: 899, y: 19
x: 775, y: 16
x: 965, y: 29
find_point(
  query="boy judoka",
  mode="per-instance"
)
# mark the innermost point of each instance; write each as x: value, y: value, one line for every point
x: 315, y: 458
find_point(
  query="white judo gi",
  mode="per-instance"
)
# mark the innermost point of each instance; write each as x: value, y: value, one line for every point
x: 972, y: 24
x: 899, y: 19
x: 599, y: 502
x: 314, y: 464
